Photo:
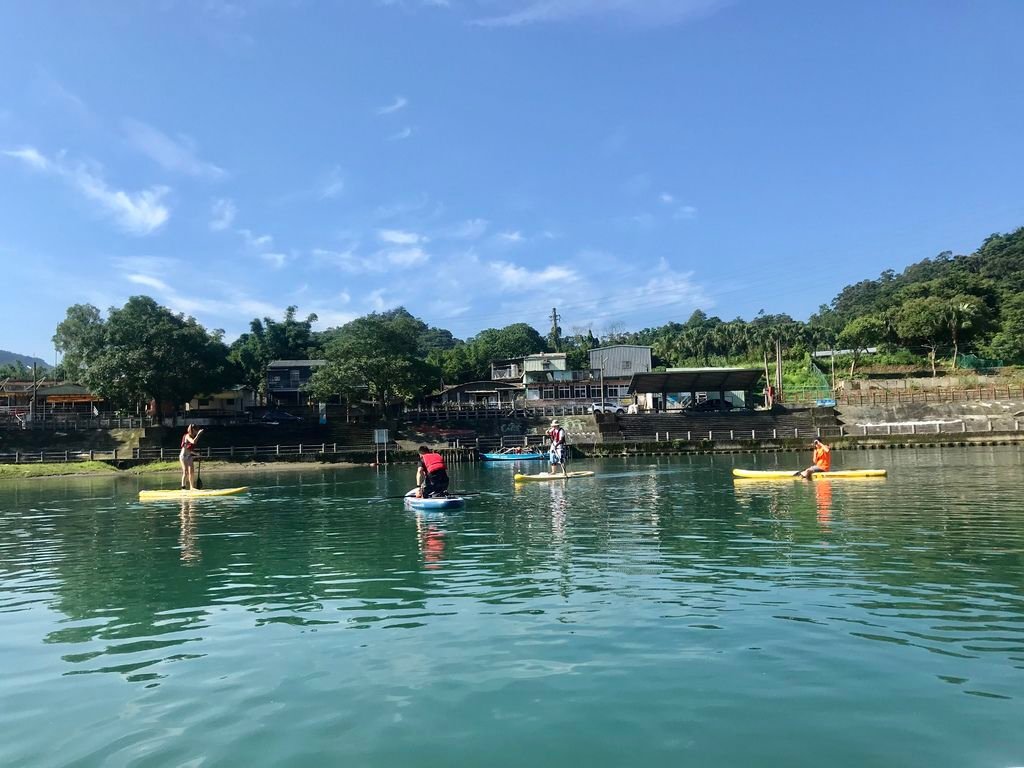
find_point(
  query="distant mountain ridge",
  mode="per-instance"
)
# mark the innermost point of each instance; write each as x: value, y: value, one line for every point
x: 14, y: 357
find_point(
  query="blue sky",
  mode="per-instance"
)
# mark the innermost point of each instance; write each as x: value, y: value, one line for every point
x: 481, y: 161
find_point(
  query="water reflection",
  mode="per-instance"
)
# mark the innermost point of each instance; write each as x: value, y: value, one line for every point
x: 645, y: 566
x: 430, y: 534
x: 187, y: 539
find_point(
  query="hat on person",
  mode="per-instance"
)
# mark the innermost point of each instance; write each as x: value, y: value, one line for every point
x: 554, y: 423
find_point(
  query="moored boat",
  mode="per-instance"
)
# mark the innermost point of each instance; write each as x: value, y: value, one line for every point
x: 509, y: 456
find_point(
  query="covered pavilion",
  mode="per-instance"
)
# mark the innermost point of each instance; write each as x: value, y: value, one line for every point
x: 694, y: 380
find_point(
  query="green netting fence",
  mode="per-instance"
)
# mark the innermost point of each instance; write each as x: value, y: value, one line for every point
x: 975, y: 363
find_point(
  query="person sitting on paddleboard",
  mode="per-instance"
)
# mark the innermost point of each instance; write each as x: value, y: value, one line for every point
x: 556, y: 451
x: 431, y: 474
x: 187, y: 457
x: 822, y: 460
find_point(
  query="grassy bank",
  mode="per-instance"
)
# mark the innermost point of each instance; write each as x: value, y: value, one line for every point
x: 63, y: 469
x: 53, y: 470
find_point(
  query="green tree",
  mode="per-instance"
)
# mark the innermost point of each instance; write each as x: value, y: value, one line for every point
x: 472, y: 361
x: 863, y: 332
x: 376, y: 355
x: 15, y: 370
x: 268, y: 340
x: 921, y: 323
x: 79, y: 338
x: 965, y: 316
x: 143, y: 351
x: 1008, y: 342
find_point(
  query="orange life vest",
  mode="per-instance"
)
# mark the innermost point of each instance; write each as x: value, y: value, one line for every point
x: 433, y: 462
x: 823, y: 457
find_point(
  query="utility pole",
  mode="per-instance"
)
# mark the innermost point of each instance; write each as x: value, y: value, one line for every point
x: 555, y: 330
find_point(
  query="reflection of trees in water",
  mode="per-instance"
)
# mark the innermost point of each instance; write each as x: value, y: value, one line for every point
x: 141, y: 581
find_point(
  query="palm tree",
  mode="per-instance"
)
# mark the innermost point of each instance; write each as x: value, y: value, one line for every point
x: 960, y: 315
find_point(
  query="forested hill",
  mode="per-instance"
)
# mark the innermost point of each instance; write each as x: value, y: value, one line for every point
x: 994, y: 272
x: 27, y: 360
x: 977, y: 298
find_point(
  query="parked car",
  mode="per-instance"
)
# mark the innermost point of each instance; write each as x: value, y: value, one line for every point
x: 607, y: 407
x: 711, y: 404
x: 279, y: 417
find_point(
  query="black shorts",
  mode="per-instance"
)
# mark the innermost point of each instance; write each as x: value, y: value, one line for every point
x: 435, y: 482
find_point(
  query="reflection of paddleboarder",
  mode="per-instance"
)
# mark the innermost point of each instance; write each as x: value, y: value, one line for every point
x: 556, y: 451
x: 187, y: 540
x: 431, y: 540
x: 823, y: 495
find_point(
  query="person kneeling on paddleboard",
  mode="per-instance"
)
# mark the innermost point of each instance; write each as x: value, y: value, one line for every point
x: 822, y: 460
x: 431, y: 474
x: 556, y: 451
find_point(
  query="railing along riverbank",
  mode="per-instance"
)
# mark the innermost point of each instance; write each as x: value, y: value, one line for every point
x: 461, y: 450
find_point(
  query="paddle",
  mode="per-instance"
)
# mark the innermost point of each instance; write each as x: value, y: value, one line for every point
x: 199, y: 472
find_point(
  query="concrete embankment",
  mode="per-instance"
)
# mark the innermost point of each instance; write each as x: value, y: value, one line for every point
x: 881, y: 442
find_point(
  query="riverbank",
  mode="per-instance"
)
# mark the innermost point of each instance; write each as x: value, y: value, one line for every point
x: 97, y: 468
x: 848, y: 443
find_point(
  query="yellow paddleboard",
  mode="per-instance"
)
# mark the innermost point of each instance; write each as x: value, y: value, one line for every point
x: 754, y: 474
x: 177, y: 493
x: 549, y: 476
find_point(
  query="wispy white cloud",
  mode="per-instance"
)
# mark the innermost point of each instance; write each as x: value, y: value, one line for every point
x: 276, y: 260
x: 333, y: 185
x: 50, y: 91
x: 172, y: 154
x: 223, y: 215
x: 407, y: 257
x: 648, y: 12
x: 147, y: 265
x: 510, y: 237
x: 149, y: 281
x: 377, y: 301
x: 347, y: 260
x: 470, y: 229
x: 403, y: 134
x: 667, y: 198
x: 400, y: 237
x: 138, y: 213
x: 685, y: 213
x: 254, y: 241
x: 400, y: 102
x: 30, y: 156
x: 514, y: 276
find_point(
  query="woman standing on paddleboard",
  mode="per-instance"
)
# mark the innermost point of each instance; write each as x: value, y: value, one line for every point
x: 187, y: 457
x: 556, y: 451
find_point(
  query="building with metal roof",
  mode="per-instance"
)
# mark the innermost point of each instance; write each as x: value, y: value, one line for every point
x: 692, y: 381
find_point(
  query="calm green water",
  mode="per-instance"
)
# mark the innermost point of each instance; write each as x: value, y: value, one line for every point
x: 656, y: 615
